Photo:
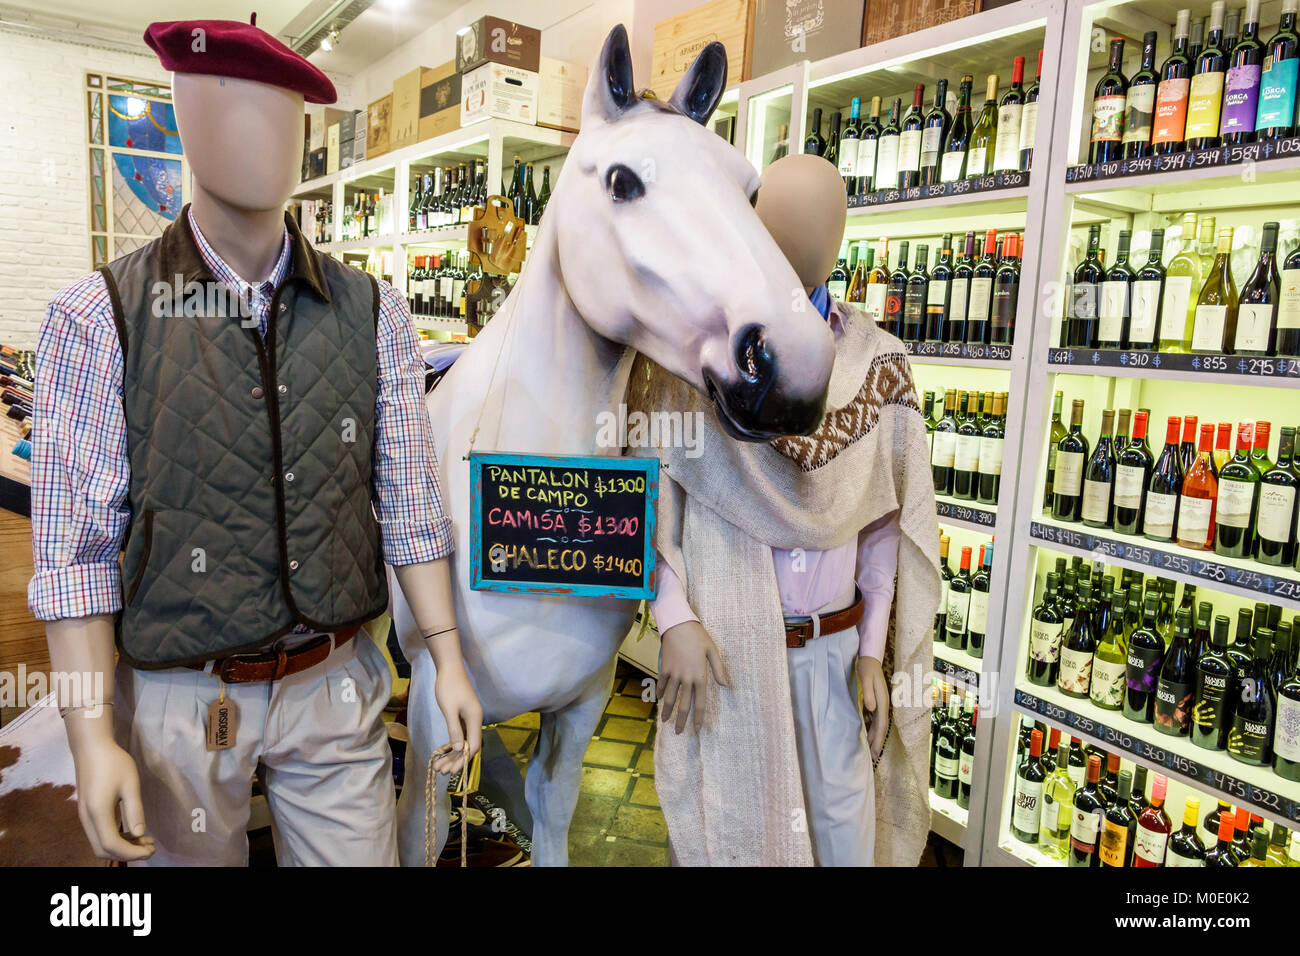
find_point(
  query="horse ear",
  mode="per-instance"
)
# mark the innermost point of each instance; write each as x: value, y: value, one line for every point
x: 701, y: 87
x: 610, y: 89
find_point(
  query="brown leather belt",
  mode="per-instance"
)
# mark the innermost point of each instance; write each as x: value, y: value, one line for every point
x: 279, y: 663
x: 800, y: 630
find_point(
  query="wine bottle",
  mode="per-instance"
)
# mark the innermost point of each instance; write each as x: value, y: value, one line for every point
x: 916, y: 297
x: 1258, y: 303
x: 1251, y: 736
x: 813, y: 143
x: 1011, y: 108
x: 980, y: 306
x: 1146, y: 289
x: 1118, y: 826
x: 1045, y: 629
x: 959, y: 300
x: 1276, y: 523
x: 1067, y: 484
x: 1276, y: 117
x: 877, y: 292
x: 1205, y: 96
x: 1212, y: 711
x: 868, y: 142
x: 1174, y: 686
x: 1146, y: 652
x: 1182, y: 283
x: 934, y: 131
x: 1029, y: 118
x: 896, y: 293
x: 957, y: 143
x: 1085, y: 823
x: 837, y: 283
x: 992, y: 439
x: 944, y: 450
x: 1185, y: 847
x: 1241, y: 82
x: 1140, y: 102
x: 1099, y: 477
x: 1006, y: 292
x: 1108, y: 98
x: 1286, y: 738
x: 887, y: 149
x: 966, y: 763
x: 1230, y: 30
x: 1081, y: 329
x: 983, y: 138
x: 978, y: 616
x: 909, y: 141
x: 1109, y: 662
x: 947, y: 756
x: 1196, y: 504
x: 945, y: 580
x: 1133, y: 467
x: 1222, y: 855
x: 1116, y: 293
x: 1074, y: 675
x: 1058, y: 806
x: 858, y: 281
x: 1056, y: 432
x: 831, y: 151
x: 938, y: 293
x: 1026, y: 809
x: 1153, y: 827
x: 850, y: 140
x: 1187, y: 447
x: 1167, y: 128
x: 1215, y: 328
x: 965, y: 482
x: 1259, y: 452
x: 1234, y: 511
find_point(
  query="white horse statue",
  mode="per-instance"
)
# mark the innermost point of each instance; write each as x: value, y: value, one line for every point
x: 650, y: 243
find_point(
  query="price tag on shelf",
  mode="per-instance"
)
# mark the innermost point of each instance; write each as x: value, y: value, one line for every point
x: 961, y: 187
x: 971, y: 515
x: 1271, y: 369
x: 1217, y: 156
x: 962, y: 350
x: 959, y: 674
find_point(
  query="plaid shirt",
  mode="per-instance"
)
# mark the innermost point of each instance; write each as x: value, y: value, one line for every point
x: 81, y: 474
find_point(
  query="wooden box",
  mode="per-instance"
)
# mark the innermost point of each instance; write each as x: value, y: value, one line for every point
x: 332, y: 149
x: 679, y: 39
x: 559, y: 94
x: 787, y: 31
x: 405, y: 128
x: 379, y: 124
x: 886, y: 19
x: 439, y: 101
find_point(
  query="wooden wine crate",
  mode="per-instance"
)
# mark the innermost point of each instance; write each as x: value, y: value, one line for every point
x: 679, y: 39
x: 886, y: 19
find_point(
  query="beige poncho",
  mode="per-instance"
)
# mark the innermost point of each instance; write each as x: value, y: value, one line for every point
x: 732, y: 795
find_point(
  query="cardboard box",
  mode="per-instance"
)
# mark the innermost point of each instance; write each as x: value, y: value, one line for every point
x: 332, y: 149
x: 496, y: 90
x: 359, y: 140
x: 560, y: 86
x: 787, y: 31
x: 379, y: 123
x: 347, y: 126
x: 679, y: 39
x: 493, y: 40
x: 439, y: 101
x: 346, y: 152
x: 886, y: 19
x: 316, y: 163
x: 405, y: 128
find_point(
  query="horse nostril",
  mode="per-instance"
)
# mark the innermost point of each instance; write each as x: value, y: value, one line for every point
x: 753, y: 360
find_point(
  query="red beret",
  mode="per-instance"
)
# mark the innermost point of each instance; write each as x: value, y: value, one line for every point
x: 233, y: 48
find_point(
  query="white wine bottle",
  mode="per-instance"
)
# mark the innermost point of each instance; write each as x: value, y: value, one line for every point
x: 1215, y: 328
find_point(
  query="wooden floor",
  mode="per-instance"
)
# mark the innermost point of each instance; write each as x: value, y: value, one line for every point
x: 22, y: 637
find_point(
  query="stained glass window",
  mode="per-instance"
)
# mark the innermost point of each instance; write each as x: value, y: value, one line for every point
x: 138, y: 175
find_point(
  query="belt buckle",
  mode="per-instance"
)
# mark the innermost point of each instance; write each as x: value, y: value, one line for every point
x: 226, y: 662
x: 277, y: 649
x: 816, y: 620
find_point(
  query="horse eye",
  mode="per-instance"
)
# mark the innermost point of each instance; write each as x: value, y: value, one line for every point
x: 623, y: 184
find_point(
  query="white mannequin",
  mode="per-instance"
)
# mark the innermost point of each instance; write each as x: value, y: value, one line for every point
x: 243, y: 140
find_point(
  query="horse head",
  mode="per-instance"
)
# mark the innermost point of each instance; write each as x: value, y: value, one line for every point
x: 660, y: 249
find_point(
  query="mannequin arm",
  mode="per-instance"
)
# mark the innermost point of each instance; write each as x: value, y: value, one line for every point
x: 106, y: 775
x: 427, y: 587
x: 687, y: 655
x: 877, y: 567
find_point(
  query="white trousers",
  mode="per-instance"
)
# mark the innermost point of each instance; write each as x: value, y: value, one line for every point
x: 319, y: 736
x: 834, y: 759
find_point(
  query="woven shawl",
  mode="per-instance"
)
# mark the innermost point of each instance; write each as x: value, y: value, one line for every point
x: 732, y: 794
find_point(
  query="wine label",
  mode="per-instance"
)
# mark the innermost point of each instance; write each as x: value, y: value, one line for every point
x: 1068, y: 480
x: 1028, y: 126
x: 1114, y: 303
x: 1277, y: 89
x: 1027, y: 810
x: 966, y: 768
x: 849, y: 156
x: 1240, y: 99
x: 931, y: 144
x: 887, y: 163
x: 1130, y: 482
x: 1113, y: 844
x: 1203, y: 102
x: 1045, y: 641
x: 1194, y: 518
x: 943, y: 596
x: 1077, y: 775
x: 1174, y: 858
x: 1254, y: 322
x: 1276, y: 511
x: 978, y: 616
x: 1139, y: 112
x: 1084, y: 828
x: 865, y: 161
x: 952, y: 166
x: 968, y: 452
x: 1076, y: 671
x: 1096, y: 500
x: 1145, y: 310
x: 1210, y: 712
x: 874, y: 303
x: 1286, y: 733
x: 961, y: 293
x: 909, y: 151
x: 838, y: 289
x: 1173, y: 309
x: 945, y: 449
x: 1051, y: 814
x: 1107, y: 688
x: 1108, y: 119
x: 946, y: 767
x: 1159, y: 521
x: 975, y: 161
x: 1150, y: 845
x: 981, y: 299
x: 1171, y: 110
x: 1288, y: 306
x: 1207, y: 330
x: 937, y: 294
x: 990, y: 462
x: 1142, y: 667
x: 1083, y: 300
x: 1173, y: 710
x: 1248, y: 739
x: 958, y: 611
x: 1236, y: 499
x: 1006, y: 151
x: 444, y: 287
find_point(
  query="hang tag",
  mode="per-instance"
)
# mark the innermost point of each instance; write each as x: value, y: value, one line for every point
x: 223, y: 723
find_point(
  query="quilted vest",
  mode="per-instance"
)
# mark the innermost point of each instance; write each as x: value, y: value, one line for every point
x: 251, y: 461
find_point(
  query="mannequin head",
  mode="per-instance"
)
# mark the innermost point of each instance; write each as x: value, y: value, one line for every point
x: 243, y: 139
x: 802, y: 202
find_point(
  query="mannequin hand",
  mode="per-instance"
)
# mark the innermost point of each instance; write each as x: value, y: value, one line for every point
x: 687, y: 658
x: 464, y: 715
x: 106, y: 777
x: 875, y: 701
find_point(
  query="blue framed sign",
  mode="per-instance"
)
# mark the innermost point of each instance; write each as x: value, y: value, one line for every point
x: 547, y: 524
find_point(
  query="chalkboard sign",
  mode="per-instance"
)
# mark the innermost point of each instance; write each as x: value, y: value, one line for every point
x: 546, y: 524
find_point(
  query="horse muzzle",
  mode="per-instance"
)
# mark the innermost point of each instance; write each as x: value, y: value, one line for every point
x: 750, y: 414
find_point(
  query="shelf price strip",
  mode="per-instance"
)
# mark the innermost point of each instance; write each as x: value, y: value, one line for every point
x: 1197, y: 159
x: 1175, y: 763
x: 963, y: 350
x: 959, y: 674
x: 963, y: 513
x: 962, y: 187
x: 1247, y: 366
x: 1244, y: 578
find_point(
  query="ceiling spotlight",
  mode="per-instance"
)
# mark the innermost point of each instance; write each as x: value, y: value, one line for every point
x: 327, y: 43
